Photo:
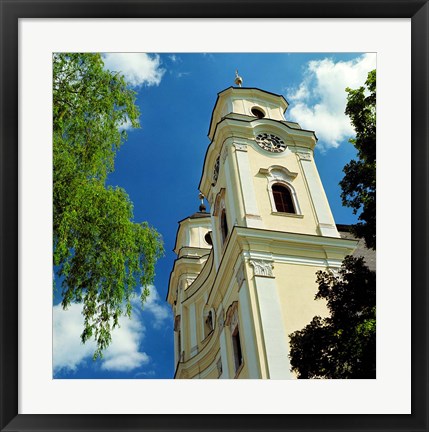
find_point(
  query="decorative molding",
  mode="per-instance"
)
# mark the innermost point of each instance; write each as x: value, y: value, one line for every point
x: 232, y: 315
x: 293, y: 215
x: 326, y: 229
x: 258, y: 255
x: 224, y: 155
x: 327, y: 225
x: 240, y: 147
x: 216, y: 171
x: 277, y: 174
x: 234, y: 319
x: 219, y: 204
x: 262, y: 267
x: 304, y: 156
x: 240, y: 276
x: 252, y: 216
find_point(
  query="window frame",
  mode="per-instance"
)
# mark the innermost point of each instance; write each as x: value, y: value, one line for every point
x: 288, y: 191
x: 204, y: 316
x: 237, y: 348
x: 277, y: 174
x: 233, y: 321
x: 223, y: 226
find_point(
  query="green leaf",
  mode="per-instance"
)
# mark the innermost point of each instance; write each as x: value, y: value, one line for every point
x: 101, y: 255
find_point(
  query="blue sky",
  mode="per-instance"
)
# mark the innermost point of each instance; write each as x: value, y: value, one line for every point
x: 160, y: 167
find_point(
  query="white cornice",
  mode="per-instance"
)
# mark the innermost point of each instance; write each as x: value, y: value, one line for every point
x: 295, y: 238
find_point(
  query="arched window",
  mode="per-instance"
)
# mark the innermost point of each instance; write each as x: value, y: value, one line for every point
x: 283, y: 199
x: 208, y: 323
x: 223, y: 225
x: 232, y: 322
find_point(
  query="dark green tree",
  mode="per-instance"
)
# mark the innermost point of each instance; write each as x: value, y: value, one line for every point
x: 101, y: 256
x: 342, y: 345
x: 358, y: 184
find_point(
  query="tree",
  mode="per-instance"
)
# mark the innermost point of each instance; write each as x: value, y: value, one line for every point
x: 342, y: 345
x: 100, y: 254
x: 358, y: 184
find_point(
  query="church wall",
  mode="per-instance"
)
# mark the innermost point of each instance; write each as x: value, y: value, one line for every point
x: 244, y: 106
x: 296, y: 287
x: 199, y: 320
x: 211, y: 374
x: 186, y: 331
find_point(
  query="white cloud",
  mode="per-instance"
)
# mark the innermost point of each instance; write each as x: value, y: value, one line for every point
x: 318, y: 103
x: 174, y: 58
x: 156, y: 307
x: 138, y: 68
x: 183, y: 74
x: 69, y: 353
x: 124, y: 353
x: 126, y: 125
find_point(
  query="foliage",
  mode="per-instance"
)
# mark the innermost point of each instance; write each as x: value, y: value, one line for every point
x: 359, y: 182
x: 342, y: 345
x: 100, y: 254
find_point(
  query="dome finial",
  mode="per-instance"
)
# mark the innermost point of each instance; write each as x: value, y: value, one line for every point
x: 238, y: 79
x: 202, y: 205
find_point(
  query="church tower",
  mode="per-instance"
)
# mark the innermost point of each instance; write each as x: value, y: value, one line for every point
x: 245, y: 277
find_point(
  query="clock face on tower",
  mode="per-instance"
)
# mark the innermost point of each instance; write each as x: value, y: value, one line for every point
x: 271, y: 142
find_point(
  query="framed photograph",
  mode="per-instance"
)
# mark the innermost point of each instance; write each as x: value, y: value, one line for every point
x: 207, y: 54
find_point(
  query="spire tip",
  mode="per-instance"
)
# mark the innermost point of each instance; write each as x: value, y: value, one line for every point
x: 238, y: 80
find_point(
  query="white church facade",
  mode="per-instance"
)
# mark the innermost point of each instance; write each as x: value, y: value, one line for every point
x: 244, y: 277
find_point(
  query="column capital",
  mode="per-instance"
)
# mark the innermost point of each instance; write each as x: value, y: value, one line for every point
x: 262, y: 267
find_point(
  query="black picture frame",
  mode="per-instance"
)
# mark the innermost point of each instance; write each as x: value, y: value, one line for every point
x: 12, y: 10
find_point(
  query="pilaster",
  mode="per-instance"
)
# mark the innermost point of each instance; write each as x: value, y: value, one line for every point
x: 326, y: 224
x: 251, y: 212
x: 275, y: 338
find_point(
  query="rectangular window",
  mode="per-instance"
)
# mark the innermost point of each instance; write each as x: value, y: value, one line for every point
x: 238, y: 356
x: 219, y: 367
x: 282, y: 199
x: 179, y: 345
